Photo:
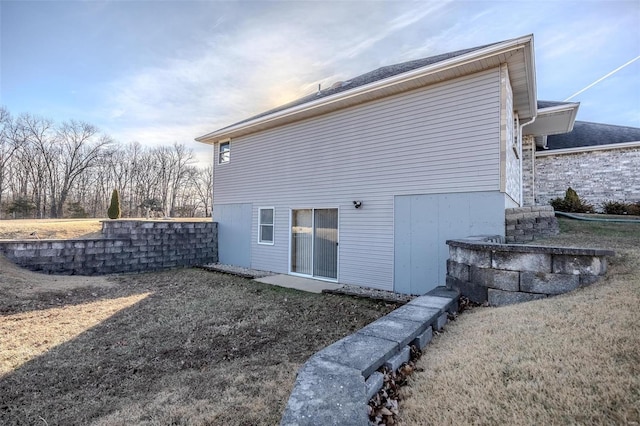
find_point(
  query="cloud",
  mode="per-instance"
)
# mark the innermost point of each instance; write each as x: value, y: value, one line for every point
x: 266, y: 54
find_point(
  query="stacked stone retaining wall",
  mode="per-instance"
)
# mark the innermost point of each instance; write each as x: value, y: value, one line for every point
x: 126, y: 246
x: 502, y: 274
x: 524, y: 224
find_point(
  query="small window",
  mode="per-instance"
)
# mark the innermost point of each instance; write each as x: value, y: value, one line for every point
x: 265, y: 225
x: 225, y: 153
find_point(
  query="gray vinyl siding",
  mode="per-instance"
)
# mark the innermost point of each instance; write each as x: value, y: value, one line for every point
x: 440, y: 139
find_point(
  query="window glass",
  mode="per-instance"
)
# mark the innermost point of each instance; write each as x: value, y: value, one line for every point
x: 266, y: 216
x: 225, y: 153
x: 265, y: 225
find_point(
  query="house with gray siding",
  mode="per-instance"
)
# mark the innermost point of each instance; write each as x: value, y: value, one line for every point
x: 362, y: 183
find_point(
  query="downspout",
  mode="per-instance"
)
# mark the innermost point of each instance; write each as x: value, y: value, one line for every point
x: 520, y: 142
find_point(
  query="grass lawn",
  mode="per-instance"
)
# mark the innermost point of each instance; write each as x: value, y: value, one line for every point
x: 571, y: 359
x: 49, y: 228
x: 58, y: 228
x: 182, y: 347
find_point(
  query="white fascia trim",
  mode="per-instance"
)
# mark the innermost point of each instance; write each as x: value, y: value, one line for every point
x: 530, y: 64
x: 394, y: 80
x: 580, y: 149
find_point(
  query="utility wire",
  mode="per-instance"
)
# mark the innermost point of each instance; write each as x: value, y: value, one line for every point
x: 602, y: 78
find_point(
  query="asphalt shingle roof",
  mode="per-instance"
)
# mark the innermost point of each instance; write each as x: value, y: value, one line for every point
x: 369, y: 77
x: 548, y: 104
x: 585, y: 133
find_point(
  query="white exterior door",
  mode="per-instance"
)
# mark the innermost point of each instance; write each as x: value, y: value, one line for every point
x: 314, y: 243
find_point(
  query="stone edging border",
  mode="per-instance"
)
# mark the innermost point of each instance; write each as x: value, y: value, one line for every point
x: 334, y: 386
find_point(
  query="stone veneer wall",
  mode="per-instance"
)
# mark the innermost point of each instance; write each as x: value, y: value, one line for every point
x: 597, y: 176
x: 126, y: 246
x: 523, y: 224
x: 502, y: 274
x: 528, y: 171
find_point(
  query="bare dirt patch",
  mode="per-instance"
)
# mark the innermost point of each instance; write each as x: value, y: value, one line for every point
x: 571, y: 359
x: 179, y: 347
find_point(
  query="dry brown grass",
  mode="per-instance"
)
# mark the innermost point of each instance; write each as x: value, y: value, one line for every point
x: 572, y: 359
x: 186, y: 347
x: 20, y: 229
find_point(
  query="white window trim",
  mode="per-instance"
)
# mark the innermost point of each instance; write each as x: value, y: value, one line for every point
x: 272, y: 224
x: 226, y: 141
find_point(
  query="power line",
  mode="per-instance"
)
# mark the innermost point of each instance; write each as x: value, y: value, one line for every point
x: 602, y: 78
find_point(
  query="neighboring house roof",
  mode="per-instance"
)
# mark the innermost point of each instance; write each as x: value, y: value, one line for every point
x: 386, y: 81
x: 585, y: 134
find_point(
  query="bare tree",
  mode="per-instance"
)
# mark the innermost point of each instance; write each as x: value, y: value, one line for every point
x: 40, y: 156
x: 173, y: 171
x: 80, y: 148
x: 10, y: 141
x: 202, y: 183
x: 72, y: 165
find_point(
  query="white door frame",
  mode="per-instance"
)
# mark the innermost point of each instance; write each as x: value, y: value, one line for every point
x: 290, y: 254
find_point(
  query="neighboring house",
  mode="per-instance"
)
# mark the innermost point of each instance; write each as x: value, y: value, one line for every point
x: 363, y: 183
x: 600, y: 161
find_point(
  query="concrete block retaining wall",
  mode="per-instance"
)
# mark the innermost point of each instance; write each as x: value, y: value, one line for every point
x: 126, y: 246
x: 502, y: 274
x: 334, y: 386
x: 523, y: 224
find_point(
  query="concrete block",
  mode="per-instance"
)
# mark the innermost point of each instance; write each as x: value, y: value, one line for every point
x: 495, y: 278
x: 359, y: 351
x: 441, y: 321
x: 470, y: 257
x: 442, y: 291
x: 440, y: 303
x: 399, y: 330
x: 449, y: 293
x: 398, y: 359
x: 326, y: 393
x: 50, y: 252
x: 475, y: 293
x: 18, y: 254
x: 540, y: 282
x: 588, y: 265
x: 422, y: 340
x: 428, y: 316
x: 513, y: 261
x: 587, y: 280
x: 502, y: 298
x: 458, y: 270
x: 373, y: 384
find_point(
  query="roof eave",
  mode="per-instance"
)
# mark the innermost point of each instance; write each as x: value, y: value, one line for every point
x: 554, y: 120
x: 350, y: 97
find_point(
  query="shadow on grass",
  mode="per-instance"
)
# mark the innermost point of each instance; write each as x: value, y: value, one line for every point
x: 202, y: 348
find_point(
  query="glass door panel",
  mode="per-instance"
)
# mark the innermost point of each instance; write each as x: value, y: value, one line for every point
x: 302, y: 241
x: 325, y: 243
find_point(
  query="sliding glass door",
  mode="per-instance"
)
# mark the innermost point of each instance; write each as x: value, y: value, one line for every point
x: 314, y: 242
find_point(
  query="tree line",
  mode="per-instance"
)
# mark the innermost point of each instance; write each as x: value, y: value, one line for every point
x: 69, y: 169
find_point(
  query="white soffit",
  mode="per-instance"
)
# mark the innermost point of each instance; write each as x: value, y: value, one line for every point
x: 553, y: 120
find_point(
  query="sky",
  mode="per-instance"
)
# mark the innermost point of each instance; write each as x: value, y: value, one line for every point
x: 160, y: 72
